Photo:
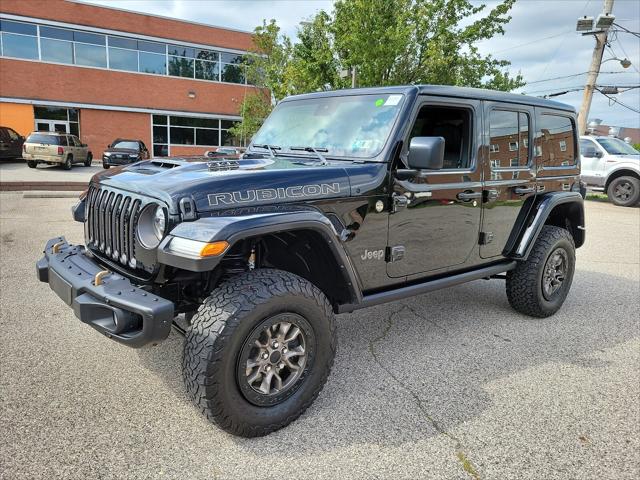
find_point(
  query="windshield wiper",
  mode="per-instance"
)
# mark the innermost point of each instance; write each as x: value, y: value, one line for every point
x: 323, y: 160
x: 271, y: 149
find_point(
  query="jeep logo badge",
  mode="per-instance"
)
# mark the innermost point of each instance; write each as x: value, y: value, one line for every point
x: 372, y: 254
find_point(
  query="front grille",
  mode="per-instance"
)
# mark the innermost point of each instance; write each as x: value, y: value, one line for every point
x: 111, y: 219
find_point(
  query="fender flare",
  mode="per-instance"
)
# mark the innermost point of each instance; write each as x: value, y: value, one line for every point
x: 543, y: 207
x: 236, y: 228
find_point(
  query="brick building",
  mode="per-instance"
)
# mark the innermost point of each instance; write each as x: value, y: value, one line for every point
x: 104, y: 73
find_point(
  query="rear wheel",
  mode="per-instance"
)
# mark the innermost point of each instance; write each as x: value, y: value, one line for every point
x: 105, y: 166
x: 32, y: 164
x: 539, y: 286
x: 259, y: 351
x: 67, y: 163
x: 624, y: 191
x: 87, y: 162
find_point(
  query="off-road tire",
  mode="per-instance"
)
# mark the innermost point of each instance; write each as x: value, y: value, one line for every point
x: 624, y: 191
x: 87, y: 162
x: 525, y: 282
x: 220, y: 328
x: 68, y: 163
x: 32, y: 164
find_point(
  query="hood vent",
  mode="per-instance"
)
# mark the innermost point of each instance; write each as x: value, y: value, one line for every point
x: 165, y: 164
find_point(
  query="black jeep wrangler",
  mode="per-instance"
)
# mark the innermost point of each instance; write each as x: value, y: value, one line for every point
x: 344, y: 200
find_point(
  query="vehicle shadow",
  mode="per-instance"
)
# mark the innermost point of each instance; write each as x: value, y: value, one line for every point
x: 417, y: 368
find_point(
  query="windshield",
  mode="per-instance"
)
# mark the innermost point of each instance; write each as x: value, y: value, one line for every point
x: 350, y: 126
x: 125, y: 144
x: 43, y: 138
x: 616, y: 146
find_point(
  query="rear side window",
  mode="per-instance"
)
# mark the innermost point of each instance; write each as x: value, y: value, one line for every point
x: 508, y: 139
x: 44, y: 138
x: 556, y: 142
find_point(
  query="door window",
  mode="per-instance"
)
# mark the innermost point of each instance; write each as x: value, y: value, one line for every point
x: 508, y: 139
x: 588, y: 149
x: 451, y: 123
x: 13, y: 135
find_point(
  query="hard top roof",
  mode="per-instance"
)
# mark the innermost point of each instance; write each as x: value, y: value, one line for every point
x: 446, y: 91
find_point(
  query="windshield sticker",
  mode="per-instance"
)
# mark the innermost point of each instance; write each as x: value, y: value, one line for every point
x: 379, y: 102
x: 393, y: 100
x: 364, y: 144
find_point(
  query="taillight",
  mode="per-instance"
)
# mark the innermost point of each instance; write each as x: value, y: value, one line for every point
x: 60, y: 150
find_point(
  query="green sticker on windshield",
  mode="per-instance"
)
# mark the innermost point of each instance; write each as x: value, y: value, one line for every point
x: 379, y: 102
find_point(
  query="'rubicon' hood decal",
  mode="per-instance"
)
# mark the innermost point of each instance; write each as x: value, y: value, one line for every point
x: 273, y: 194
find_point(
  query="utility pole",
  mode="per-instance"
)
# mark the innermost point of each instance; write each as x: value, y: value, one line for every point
x: 354, y: 73
x: 594, y: 70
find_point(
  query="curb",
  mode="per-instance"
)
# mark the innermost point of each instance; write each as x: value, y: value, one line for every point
x: 48, y: 186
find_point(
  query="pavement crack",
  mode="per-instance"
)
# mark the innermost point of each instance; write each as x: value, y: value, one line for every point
x: 461, y: 456
x: 428, y: 320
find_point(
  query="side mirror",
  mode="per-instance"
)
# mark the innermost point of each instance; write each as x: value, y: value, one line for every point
x: 426, y: 153
x: 83, y: 144
x: 109, y: 146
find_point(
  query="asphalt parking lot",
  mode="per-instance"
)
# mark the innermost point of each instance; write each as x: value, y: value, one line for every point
x: 451, y: 385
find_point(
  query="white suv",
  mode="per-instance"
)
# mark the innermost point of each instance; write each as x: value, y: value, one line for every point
x: 611, y: 165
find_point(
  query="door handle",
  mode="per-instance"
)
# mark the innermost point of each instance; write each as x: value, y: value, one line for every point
x: 469, y: 195
x: 524, y: 190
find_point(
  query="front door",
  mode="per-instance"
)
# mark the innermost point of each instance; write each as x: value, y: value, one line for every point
x: 509, y: 178
x: 437, y: 214
x: 52, y: 126
x: 591, y: 162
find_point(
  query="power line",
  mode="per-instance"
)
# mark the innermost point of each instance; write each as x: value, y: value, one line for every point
x: 531, y: 42
x: 627, y: 30
x: 571, y: 76
x: 614, y: 100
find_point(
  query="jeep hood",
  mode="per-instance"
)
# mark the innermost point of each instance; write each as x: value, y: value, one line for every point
x: 224, y: 183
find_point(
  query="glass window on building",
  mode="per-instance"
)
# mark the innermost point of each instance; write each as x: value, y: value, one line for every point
x: 232, y: 68
x: 19, y: 40
x: 90, y: 55
x: 152, y: 63
x: 59, y: 51
x: 121, y: 59
x: 57, y: 119
x: 181, y: 67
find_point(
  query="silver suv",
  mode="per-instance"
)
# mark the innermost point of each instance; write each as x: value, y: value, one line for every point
x: 55, y: 148
x: 613, y: 166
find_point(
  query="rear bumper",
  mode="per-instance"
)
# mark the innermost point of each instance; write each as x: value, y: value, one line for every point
x: 35, y: 157
x: 116, y: 307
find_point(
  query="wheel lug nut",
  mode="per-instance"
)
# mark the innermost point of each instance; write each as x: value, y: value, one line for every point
x: 265, y: 355
x: 284, y: 350
x: 281, y: 366
x: 268, y: 368
x: 276, y: 344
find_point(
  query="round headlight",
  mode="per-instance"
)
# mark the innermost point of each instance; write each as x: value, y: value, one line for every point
x: 152, y: 226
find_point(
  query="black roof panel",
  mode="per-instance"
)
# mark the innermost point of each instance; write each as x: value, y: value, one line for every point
x: 448, y: 91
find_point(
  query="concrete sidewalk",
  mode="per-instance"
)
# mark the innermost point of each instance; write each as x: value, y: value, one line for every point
x: 15, y: 175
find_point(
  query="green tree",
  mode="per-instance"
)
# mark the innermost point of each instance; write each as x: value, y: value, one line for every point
x: 387, y: 42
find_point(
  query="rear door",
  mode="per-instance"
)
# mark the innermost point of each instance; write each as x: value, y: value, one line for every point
x: 509, y: 172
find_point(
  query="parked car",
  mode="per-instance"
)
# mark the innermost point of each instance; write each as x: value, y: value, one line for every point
x: 55, y: 148
x: 10, y: 143
x: 344, y: 200
x: 123, y: 152
x: 612, y: 166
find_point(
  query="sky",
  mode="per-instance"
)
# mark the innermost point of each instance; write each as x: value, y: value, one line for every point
x: 540, y: 41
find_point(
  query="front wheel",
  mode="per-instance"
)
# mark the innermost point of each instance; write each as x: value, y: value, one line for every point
x: 539, y: 286
x: 105, y: 166
x: 624, y: 191
x: 259, y: 351
x: 32, y: 164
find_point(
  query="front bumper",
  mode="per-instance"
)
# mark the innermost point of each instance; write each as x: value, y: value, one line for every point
x: 114, y: 307
x: 116, y: 162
